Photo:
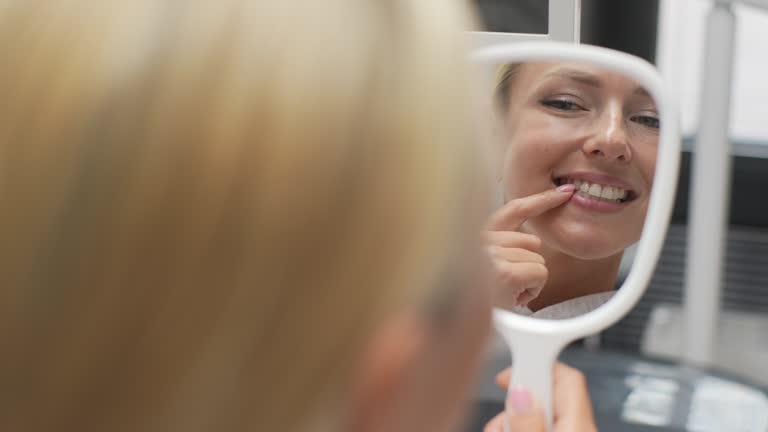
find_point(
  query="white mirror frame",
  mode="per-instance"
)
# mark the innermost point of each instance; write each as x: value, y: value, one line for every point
x: 536, y: 343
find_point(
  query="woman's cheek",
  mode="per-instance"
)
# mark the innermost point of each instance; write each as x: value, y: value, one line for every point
x: 644, y: 159
x: 518, y: 178
x: 511, y: 172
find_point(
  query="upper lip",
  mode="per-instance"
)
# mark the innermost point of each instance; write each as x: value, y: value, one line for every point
x: 602, y: 179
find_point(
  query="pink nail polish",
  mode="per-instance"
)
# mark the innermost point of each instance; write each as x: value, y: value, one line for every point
x: 520, y: 400
x: 566, y: 188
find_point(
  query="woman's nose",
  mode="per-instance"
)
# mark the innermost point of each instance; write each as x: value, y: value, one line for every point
x: 609, y: 139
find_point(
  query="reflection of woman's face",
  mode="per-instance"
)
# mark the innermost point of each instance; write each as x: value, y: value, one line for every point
x: 583, y: 125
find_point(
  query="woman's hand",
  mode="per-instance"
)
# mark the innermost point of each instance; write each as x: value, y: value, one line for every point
x: 520, y: 269
x: 572, y: 407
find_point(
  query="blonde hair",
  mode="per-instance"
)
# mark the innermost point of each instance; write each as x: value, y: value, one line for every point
x: 504, y: 80
x: 208, y: 205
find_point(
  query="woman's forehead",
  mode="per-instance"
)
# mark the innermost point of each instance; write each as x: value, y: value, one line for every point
x: 561, y: 68
x: 535, y: 74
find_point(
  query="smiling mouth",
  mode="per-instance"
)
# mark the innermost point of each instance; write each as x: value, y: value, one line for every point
x: 597, y: 191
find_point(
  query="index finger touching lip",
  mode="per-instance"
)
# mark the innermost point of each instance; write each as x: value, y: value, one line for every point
x: 517, y: 211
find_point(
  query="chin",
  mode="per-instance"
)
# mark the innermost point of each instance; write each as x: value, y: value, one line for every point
x: 583, y: 241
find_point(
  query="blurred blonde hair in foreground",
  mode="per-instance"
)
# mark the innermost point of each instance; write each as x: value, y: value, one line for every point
x: 206, y: 205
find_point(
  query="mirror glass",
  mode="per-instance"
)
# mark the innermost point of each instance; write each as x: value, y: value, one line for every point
x: 576, y: 148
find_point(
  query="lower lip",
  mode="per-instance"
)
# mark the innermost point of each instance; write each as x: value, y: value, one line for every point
x: 596, y: 205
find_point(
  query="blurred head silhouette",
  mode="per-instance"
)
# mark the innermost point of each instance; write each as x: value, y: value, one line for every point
x: 237, y: 215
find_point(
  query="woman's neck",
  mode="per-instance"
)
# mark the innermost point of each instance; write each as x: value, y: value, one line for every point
x: 571, y: 277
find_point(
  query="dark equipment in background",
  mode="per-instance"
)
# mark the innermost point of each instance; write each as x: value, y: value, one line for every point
x: 626, y: 25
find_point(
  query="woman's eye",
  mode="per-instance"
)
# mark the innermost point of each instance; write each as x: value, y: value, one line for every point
x: 648, y: 121
x: 562, y: 105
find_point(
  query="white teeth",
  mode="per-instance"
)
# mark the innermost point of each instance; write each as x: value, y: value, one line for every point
x: 610, y: 193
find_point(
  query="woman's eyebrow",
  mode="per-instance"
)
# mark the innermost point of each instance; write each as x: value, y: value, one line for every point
x: 575, y: 75
x: 641, y: 91
x: 588, y: 79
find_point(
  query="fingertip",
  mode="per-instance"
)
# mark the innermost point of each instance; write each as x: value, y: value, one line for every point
x: 520, y: 401
x: 502, y: 378
x: 500, y: 381
x: 523, y: 411
x: 560, y: 195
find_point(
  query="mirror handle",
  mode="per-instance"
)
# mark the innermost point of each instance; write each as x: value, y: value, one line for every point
x: 532, y: 367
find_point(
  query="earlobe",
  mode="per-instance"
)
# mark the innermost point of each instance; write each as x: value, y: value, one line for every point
x: 381, y: 382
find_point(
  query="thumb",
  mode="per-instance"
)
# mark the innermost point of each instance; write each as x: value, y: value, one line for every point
x: 523, y: 413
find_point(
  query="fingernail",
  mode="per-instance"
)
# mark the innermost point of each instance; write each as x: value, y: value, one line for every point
x: 520, y: 401
x: 566, y: 188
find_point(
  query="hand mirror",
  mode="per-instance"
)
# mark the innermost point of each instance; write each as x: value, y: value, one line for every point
x: 587, y: 151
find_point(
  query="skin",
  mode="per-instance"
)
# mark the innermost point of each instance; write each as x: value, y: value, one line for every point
x: 521, y: 270
x: 565, y: 118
